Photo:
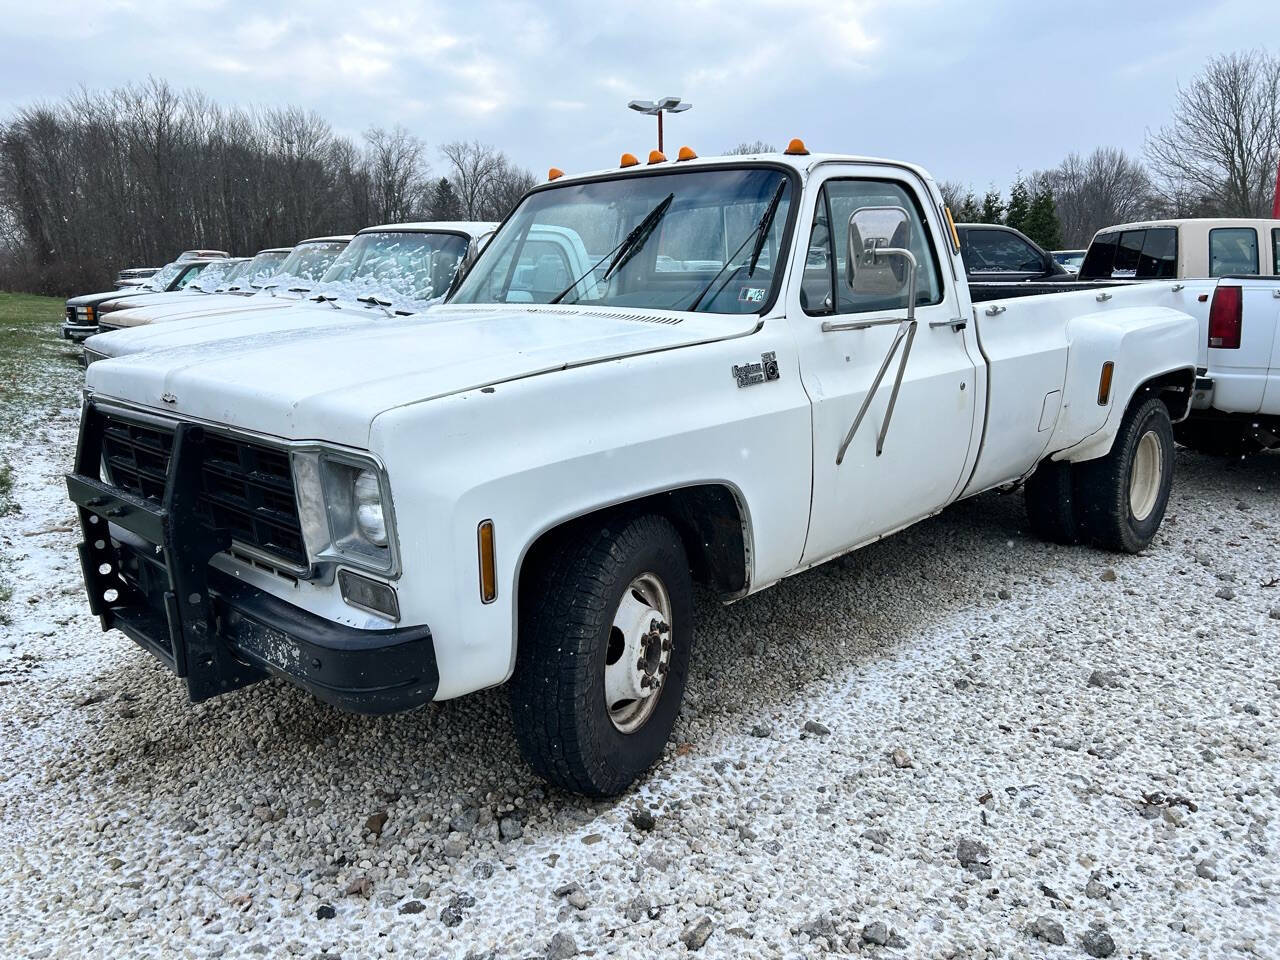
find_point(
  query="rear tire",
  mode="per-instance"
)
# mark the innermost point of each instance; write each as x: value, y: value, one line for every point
x: 1217, y: 438
x: 1121, y: 498
x: 1050, y: 498
x: 606, y: 624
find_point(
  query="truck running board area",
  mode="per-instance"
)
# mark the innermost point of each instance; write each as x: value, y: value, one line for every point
x: 153, y: 584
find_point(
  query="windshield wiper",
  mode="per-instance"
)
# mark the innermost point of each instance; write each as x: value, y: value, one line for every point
x: 760, y: 231
x: 625, y: 250
x: 373, y: 301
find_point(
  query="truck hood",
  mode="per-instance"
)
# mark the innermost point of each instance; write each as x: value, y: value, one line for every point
x: 329, y: 381
x: 176, y: 306
x: 93, y: 299
x: 274, y: 315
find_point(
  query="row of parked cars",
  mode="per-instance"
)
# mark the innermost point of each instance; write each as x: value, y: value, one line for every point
x: 461, y: 455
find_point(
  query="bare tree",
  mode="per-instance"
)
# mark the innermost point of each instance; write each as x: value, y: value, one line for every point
x: 1105, y: 188
x: 474, y: 167
x: 1224, y: 141
x: 746, y: 148
x: 398, y: 173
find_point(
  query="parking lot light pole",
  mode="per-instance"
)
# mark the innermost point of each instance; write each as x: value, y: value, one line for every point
x: 656, y: 108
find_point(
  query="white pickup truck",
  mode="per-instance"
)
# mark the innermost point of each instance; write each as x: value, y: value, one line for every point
x: 388, y: 270
x: 765, y: 363
x: 1236, y: 408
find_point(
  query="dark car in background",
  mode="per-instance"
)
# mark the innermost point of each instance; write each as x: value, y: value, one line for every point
x: 81, y: 318
x: 998, y: 254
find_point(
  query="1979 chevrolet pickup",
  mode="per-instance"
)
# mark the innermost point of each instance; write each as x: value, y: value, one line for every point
x: 766, y: 363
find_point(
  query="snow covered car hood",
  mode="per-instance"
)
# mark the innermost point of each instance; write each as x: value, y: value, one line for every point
x: 275, y: 315
x: 329, y: 381
x: 177, y: 307
x: 93, y: 299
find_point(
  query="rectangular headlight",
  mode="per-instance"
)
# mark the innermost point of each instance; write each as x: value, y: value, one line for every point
x: 345, y: 509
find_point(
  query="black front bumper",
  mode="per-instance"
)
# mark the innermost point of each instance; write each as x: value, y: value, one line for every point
x: 152, y: 581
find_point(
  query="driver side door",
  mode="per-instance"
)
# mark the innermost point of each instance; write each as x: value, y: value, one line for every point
x: 869, y: 486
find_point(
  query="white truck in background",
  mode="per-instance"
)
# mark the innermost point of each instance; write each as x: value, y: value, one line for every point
x: 1236, y: 407
x: 761, y: 364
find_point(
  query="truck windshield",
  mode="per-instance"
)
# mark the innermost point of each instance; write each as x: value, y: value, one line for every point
x: 160, y: 280
x: 409, y: 266
x: 253, y: 272
x: 701, y: 248
x: 307, y: 262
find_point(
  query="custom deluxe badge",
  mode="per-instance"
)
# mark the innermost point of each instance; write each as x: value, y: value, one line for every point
x: 749, y: 374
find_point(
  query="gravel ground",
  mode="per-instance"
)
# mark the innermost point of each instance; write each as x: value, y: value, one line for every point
x: 958, y: 743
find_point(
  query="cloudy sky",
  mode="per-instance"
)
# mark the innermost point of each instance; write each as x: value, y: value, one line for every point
x: 974, y: 91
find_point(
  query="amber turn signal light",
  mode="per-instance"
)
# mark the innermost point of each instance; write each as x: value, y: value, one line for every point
x: 686, y: 153
x: 628, y: 160
x: 488, y: 562
x: 657, y: 156
x: 1104, y: 383
x: 555, y: 173
x: 796, y: 148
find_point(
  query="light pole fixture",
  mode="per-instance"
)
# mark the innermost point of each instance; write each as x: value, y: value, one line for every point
x: 656, y: 108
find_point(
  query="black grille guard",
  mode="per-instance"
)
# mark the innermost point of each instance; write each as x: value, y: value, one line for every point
x: 182, y: 631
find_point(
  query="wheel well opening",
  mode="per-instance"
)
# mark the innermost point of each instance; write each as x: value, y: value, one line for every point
x: 709, y: 518
x: 1174, y: 389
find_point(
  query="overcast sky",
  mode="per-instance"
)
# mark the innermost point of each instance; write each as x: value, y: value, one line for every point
x: 974, y: 91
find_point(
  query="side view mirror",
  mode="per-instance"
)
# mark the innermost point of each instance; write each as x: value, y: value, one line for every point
x: 879, y: 259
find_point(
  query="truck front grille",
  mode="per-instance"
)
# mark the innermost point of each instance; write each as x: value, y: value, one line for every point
x: 246, y: 488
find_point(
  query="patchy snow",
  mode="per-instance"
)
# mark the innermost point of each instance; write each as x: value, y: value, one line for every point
x: 1100, y: 730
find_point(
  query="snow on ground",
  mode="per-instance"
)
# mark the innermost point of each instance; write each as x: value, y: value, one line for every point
x: 957, y: 743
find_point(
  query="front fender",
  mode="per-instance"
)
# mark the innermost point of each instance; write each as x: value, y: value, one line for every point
x: 533, y: 453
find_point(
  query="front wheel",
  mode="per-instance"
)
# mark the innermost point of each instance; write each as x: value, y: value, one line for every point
x: 605, y: 630
x: 1121, y: 498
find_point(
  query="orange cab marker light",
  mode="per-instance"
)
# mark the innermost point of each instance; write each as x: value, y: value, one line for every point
x: 951, y: 223
x: 488, y: 563
x: 555, y: 173
x: 1104, y: 383
x: 657, y: 156
x: 628, y: 160
x: 686, y: 153
x: 796, y: 148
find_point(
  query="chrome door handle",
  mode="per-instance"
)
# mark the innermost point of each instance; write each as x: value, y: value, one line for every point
x: 995, y: 311
x: 1276, y: 294
x: 955, y: 323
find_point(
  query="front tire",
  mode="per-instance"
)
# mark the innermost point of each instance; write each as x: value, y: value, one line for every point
x: 605, y: 630
x: 1121, y: 498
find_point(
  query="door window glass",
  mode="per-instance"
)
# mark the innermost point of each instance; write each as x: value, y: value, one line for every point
x: 1128, y: 253
x: 829, y: 242
x: 1233, y: 251
x: 1275, y: 252
x: 1099, y: 257
x: 1159, y: 257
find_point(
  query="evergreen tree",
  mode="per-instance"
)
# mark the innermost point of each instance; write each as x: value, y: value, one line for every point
x: 968, y: 211
x: 444, y: 203
x: 1019, y: 205
x: 1042, y: 224
x: 992, y: 209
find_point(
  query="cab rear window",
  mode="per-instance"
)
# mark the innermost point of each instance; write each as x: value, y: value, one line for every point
x: 1149, y: 253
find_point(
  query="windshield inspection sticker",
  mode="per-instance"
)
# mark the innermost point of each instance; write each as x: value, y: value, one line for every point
x: 751, y: 294
x: 749, y: 374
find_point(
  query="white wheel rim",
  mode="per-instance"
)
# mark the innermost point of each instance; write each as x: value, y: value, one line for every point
x: 1144, y: 476
x: 638, y: 654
